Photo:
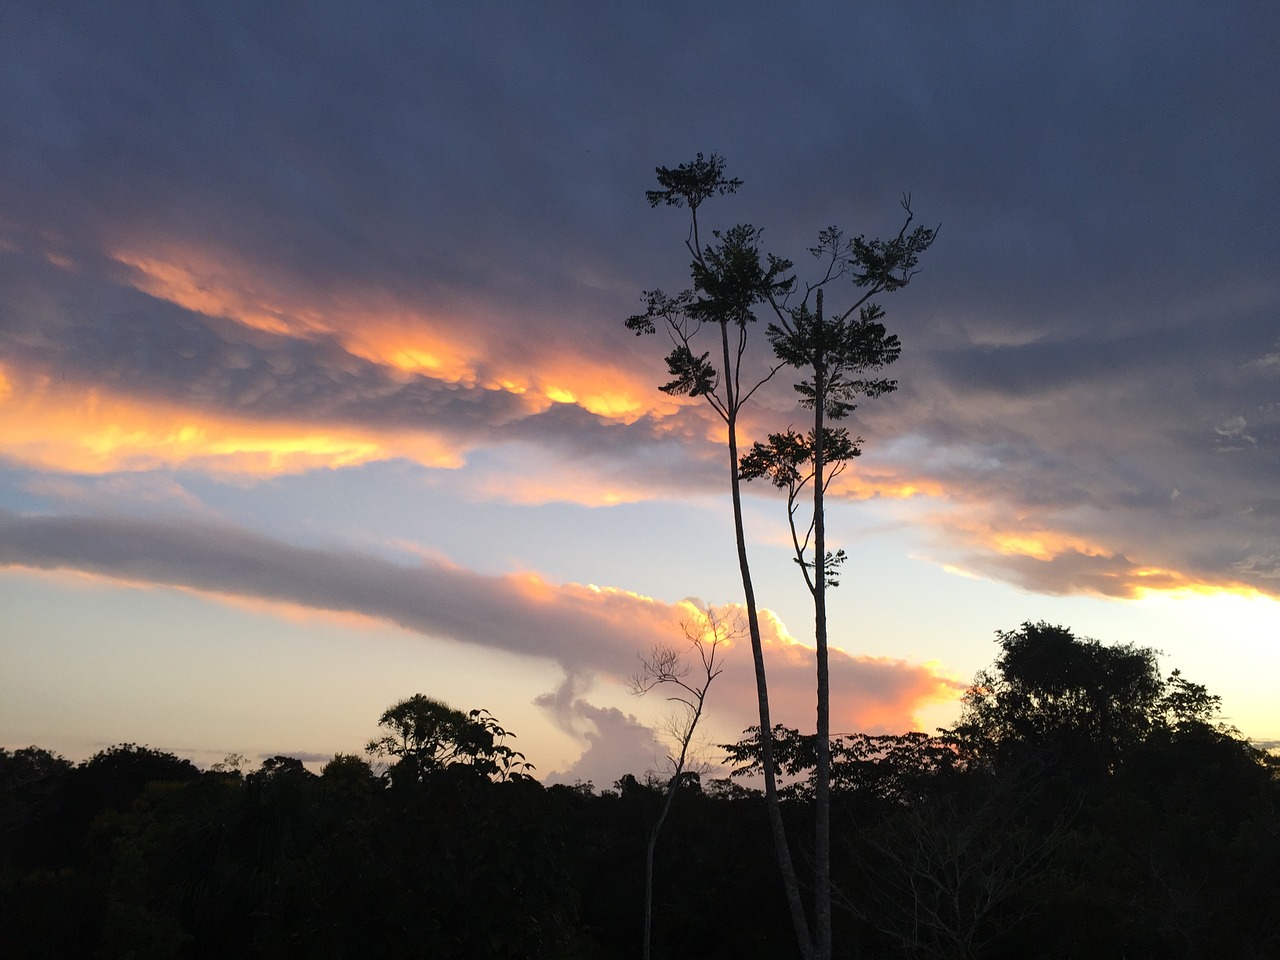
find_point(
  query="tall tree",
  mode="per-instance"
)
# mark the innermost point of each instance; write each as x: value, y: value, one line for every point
x: 839, y: 354
x: 730, y: 279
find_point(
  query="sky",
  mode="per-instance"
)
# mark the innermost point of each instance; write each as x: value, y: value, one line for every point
x: 315, y: 391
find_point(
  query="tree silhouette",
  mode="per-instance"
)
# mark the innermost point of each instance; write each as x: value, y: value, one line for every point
x: 729, y: 281
x: 838, y: 353
x: 667, y: 668
x: 731, y: 277
x: 426, y: 735
x: 1072, y: 702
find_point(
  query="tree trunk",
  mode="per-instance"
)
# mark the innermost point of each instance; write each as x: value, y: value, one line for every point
x: 648, y: 864
x: 781, y: 848
x: 822, y: 791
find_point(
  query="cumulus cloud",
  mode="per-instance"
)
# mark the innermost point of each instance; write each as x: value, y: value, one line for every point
x: 617, y: 743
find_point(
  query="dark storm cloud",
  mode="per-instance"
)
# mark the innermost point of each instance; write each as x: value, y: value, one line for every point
x: 434, y: 153
x: 1087, y: 346
x: 500, y: 152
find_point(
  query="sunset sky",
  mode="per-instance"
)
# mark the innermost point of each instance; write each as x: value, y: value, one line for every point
x: 315, y: 391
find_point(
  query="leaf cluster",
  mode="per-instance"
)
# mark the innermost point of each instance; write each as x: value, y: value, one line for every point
x: 731, y: 276
x: 789, y: 460
x: 842, y: 350
x: 838, y: 348
x: 689, y: 184
x: 881, y: 265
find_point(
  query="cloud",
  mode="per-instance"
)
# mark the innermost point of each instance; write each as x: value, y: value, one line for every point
x: 96, y: 377
x: 588, y: 630
x: 1117, y: 457
x: 228, y: 261
x: 617, y: 744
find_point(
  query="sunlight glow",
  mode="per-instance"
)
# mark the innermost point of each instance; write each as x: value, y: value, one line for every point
x: 403, y: 337
x: 1178, y: 587
x: 421, y: 351
x: 203, y: 289
x: 857, y: 484
x: 1042, y: 558
x: 1234, y: 610
x: 1042, y: 544
x: 52, y: 426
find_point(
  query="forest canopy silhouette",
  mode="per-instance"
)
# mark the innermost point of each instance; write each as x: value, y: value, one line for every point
x: 1079, y: 784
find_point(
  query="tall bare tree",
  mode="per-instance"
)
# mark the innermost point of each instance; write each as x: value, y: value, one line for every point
x: 686, y: 685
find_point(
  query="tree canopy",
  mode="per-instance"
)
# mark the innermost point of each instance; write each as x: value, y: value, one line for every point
x: 426, y: 735
x: 943, y: 847
x: 1069, y: 699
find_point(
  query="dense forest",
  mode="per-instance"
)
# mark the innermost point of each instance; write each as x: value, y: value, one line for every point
x: 1083, y: 805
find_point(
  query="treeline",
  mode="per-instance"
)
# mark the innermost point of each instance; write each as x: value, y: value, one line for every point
x: 1084, y: 805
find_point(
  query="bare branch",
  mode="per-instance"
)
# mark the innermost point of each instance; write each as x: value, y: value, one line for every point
x: 666, y: 666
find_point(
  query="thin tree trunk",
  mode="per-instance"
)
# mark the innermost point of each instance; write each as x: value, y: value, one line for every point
x: 686, y: 738
x: 781, y: 848
x: 648, y: 865
x: 822, y: 792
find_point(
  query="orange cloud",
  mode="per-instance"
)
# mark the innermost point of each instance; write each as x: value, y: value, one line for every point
x: 1024, y: 537
x: 207, y: 284
x: 1151, y: 581
x: 868, y: 693
x: 1041, y: 544
x: 52, y: 426
x: 382, y: 329
x: 875, y: 694
x: 857, y: 483
x: 1057, y: 561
